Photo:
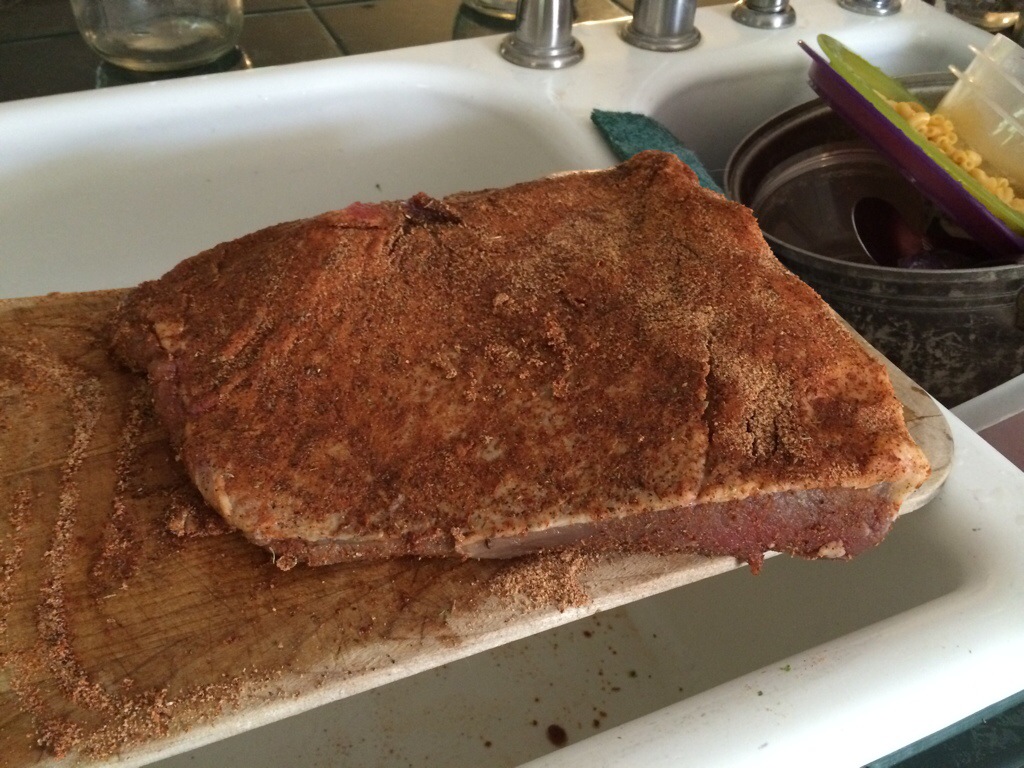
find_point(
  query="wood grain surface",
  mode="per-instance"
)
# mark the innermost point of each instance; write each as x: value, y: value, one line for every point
x: 132, y: 625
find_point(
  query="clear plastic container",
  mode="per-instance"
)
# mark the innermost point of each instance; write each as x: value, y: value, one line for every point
x: 986, y: 106
x: 1007, y: 55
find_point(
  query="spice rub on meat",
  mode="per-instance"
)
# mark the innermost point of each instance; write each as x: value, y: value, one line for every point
x: 609, y: 359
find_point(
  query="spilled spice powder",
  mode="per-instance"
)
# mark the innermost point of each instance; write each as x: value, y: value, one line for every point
x: 118, y: 558
x: 544, y: 580
x: 17, y: 513
x: 83, y: 397
x: 69, y: 711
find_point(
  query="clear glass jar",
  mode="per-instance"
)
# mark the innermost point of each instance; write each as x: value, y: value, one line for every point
x: 159, y: 35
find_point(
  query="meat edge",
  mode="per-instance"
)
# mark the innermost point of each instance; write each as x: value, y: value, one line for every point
x: 746, y: 529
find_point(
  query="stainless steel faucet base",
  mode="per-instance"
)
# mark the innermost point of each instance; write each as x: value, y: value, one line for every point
x: 662, y: 25
x: 542, y: 38
x: 659, y: 42
x: 540, y: 57
x: 760, y: 15
x: 871, y: 7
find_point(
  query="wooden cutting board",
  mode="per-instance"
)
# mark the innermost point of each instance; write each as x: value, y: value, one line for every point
x: 133, y: 626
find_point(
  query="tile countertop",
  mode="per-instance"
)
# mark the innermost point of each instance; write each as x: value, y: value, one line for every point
x: 41, y: 54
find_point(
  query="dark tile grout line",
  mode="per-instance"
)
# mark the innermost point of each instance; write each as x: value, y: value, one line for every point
x: 314, y: 10
x: 327, y: 28
x: 37, y: 38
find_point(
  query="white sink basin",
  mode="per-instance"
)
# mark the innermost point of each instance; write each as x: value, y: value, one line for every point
x: 141, y: 177
x: 106, y: 189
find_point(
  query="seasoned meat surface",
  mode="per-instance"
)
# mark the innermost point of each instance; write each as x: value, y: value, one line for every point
x: 610, y: 357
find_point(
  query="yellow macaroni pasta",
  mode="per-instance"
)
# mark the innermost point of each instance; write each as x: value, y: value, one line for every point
x: 939, y: 130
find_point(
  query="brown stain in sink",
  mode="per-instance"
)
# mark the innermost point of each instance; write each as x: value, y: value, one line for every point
x: 557, y: 735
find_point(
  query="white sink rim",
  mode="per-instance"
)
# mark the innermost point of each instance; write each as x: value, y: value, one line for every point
x: 964, y: 641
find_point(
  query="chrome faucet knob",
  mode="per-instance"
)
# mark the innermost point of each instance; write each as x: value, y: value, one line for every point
x: 764, y: 14
x: 662, y: 25
x: 871, y: 7
x: 542, y: 38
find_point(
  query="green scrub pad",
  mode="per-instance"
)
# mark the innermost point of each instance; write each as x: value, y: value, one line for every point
x: 628, y: 133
